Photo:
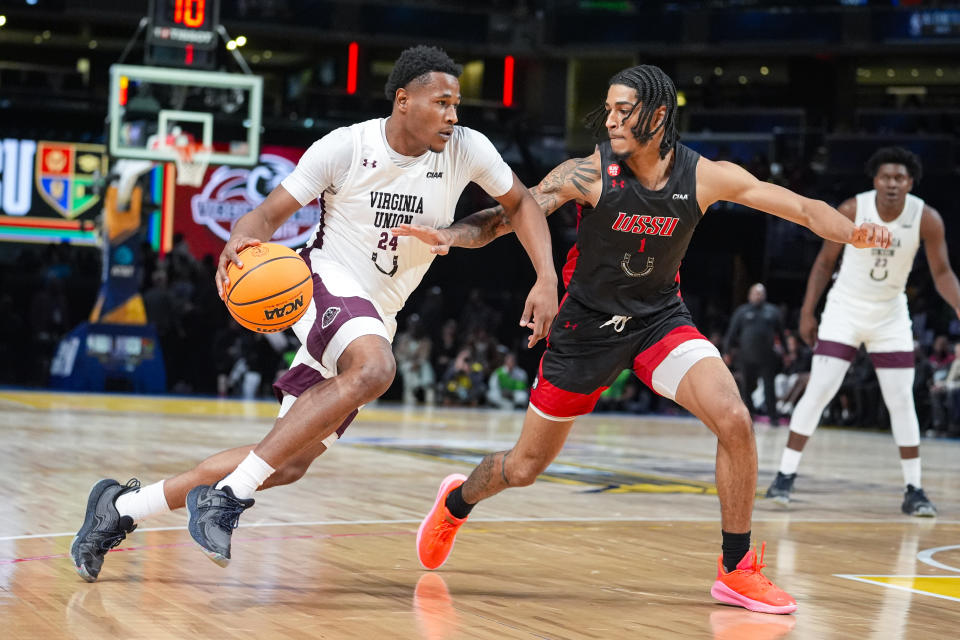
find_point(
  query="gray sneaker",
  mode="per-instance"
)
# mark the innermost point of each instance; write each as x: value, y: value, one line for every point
x: 214, y: 514
x: 781, y: 487
x: 916, y: 503
x: 103, y: 527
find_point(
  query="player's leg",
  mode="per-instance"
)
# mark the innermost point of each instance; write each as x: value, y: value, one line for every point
x: 707, y: 389
x: 749, y: 374
x: 769, y: 375
x: 364, y: 370
x: 685, y: 367
x: 891, y: 351
x: 571, y: 378
x: 837, y: 341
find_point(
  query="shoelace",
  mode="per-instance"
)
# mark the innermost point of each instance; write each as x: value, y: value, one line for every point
x: 618, y: 322
x: 758, y: 565
x: 107, y: 541
x: 445, y: 529
x: 229, y: 517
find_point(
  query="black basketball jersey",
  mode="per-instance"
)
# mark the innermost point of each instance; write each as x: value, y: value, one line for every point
x: 629, y: 246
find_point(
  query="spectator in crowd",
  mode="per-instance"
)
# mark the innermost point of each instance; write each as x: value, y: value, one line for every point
x: 445, y: 350
x: 412, y: 351
x: 945, y: 397
x: 942, y: 355
x: 463, y: 383
x: 752, y: 339
x: 508, y: 386
x: 797, y: 358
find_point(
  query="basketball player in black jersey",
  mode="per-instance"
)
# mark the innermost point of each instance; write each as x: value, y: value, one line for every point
x: 642, y: 194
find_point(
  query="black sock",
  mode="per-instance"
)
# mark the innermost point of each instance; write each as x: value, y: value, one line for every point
x: 735, y: 546
x: 460, y: 508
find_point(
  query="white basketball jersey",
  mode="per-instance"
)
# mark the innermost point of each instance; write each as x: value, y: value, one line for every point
x: 377, y: 194
x: 877, y: 275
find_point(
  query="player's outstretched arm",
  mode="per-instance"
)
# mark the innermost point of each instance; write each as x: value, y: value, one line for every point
x: 727, y: 181
x: 576, y: 179
x: 934, y: 242
x: 253, y: 228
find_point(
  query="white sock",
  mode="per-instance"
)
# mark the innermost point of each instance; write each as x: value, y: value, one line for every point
x: 247, y: 478
x: 144, y: 502
x: 911, y: 471
x: 790, y: 461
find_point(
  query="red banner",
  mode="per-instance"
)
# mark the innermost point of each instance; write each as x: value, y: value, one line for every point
x: 205, y: 215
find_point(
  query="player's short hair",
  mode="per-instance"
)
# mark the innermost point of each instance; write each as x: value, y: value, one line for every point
x: 895, y: 155
x: 654, y: 89
x: 416, y: 62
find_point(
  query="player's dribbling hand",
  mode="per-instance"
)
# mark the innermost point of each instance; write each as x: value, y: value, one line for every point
x: 228, y: 255
x: 539, y: 310
x: 437, y: 239
x: 808, y: 329
x: 869, y: 235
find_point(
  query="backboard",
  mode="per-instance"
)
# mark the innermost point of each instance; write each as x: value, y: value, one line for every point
x: 218, y: 110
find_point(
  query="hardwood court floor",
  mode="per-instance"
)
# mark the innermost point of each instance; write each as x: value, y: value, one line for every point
x: 618, y: 540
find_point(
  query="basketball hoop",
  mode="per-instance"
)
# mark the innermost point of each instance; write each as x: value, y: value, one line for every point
x: 192, y: 161
x: 192, y: 158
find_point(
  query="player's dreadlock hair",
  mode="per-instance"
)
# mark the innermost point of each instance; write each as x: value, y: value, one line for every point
x: 415, y: 62
x: 654, y: 89
x: 895, y: 155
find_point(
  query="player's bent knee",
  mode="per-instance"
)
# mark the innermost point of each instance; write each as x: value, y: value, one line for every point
x: 734, y: 423
x: 373, y: 376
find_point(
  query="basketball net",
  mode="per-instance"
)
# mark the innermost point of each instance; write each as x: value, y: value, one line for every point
x: 192, y: 158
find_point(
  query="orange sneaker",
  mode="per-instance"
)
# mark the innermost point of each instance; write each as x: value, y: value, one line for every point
x: 437, y: 531
x: 746, y: 587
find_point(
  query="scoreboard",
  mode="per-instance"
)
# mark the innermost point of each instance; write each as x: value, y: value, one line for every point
x: 183, y: 33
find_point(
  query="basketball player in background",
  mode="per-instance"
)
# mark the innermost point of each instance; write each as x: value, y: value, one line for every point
x: 409, y: 167
x: 642, y: 194
x: 867, y: 305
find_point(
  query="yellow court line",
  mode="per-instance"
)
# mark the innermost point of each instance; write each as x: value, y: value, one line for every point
x: 179, y: 406
x: 945, y: 587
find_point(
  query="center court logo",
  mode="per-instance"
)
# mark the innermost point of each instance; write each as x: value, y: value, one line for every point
x: 229, y: 193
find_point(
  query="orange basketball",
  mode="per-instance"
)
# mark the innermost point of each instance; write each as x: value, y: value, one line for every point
x: 271, y: 291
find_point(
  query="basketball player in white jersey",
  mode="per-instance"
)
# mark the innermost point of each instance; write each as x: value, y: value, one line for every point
x: 371, y: 176
x: 867, y: 305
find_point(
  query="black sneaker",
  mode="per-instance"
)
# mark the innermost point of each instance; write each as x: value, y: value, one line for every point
x: 915, y: 503
x: 781, y: 487
x: 214, y: 514
x: 103, y: 527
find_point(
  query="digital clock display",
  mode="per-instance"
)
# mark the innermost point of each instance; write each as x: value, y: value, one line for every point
x: 191, y: 22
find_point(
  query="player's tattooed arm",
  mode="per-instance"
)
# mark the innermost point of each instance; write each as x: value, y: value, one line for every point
x: 576, y: 179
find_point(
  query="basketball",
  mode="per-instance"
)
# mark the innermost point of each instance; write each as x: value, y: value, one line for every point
x: 271, y: 291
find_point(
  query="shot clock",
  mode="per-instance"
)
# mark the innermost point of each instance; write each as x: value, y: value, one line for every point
x: 183, y: 33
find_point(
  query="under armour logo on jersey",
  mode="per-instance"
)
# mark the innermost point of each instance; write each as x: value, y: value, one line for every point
x: 372, y: 165
x: 617, y: 183
x: 329, y: 316
x: 567, y: 325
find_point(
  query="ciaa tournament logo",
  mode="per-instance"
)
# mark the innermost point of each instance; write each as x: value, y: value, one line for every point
x: 230, y: 193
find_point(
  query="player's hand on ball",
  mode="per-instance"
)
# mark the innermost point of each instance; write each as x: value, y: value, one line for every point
x: 228, y: 255
x: 539, y: 310
x: 438, y: 239
x: 869, y: 235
